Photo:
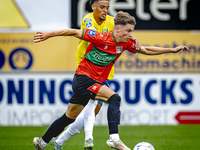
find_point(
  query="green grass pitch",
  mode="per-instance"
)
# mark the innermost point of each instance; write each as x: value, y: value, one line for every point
x: 182, y: 137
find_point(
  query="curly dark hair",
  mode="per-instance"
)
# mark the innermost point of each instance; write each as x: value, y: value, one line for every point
x: 93, y: 1
x: 124, y: 18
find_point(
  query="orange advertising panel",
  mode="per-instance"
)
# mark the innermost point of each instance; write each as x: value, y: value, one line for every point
x: 18, y: 52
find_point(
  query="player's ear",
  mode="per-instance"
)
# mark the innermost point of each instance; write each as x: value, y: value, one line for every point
x: 93, y: 7
x: 117, y: 28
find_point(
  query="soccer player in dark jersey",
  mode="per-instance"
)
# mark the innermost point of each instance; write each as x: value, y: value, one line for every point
x: 103, y: 51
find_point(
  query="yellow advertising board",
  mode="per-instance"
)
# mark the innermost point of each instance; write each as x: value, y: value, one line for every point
x: 18, y: 52
x: 21, y: 53
x: 172, y: 62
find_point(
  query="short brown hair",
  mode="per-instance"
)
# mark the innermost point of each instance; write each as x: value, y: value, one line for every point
x: 124, y: 18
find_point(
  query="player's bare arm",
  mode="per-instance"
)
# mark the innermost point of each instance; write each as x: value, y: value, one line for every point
x: 161, y: 50
x: 42, y: 36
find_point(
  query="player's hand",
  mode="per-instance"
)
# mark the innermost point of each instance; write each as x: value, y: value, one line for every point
x: 137, y: 43
x: 41, y: 36
x: 179, y: 48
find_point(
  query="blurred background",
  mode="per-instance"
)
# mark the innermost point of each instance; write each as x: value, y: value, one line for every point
x: 35, y: 79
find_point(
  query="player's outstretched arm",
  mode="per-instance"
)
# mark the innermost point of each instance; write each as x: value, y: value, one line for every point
x: 160, y: 50
x: 42, y: 36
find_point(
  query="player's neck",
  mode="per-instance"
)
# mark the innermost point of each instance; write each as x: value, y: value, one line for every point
x: 98, y: 20
x: 116, y: 36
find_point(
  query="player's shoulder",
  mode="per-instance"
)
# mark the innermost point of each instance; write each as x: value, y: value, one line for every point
x: 110, y: 22
x: 99, y: 35
x: 110, y: 17
x: 130, y: 42
x: 88, y: 21
x: 130, y: 45
x: 87, y: 18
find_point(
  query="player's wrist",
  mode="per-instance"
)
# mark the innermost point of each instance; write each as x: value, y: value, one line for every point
x: 173, y: 50
x: 51, y: 34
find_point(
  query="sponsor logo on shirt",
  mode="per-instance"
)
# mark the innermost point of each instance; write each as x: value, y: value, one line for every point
x: 94, y: 87
x: 100, y: 58
x: 92, y: 33
x: 103, y: 58
x: 89, y: 24
x: 87, y: 20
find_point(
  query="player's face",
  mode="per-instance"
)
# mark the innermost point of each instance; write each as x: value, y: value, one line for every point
x: 125, y: 32
x: 100, y: 9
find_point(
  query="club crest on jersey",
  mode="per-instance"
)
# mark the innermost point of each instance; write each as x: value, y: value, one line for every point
x: 119, y: 49
x: 104, y: 30
x: 92, y: 33
x: 89, y: 24
x: 87, y: 20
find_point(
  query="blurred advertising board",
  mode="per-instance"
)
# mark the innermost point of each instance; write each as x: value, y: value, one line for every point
x: 149, y: 14
x: 34, y: 15
x: 172, y: 62
x: 21, y: 19
x: 18, y: 52
x: 146, y: 99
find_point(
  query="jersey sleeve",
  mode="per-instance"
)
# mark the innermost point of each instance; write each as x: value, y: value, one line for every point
x: 87, y: 23
x: 91, y: 36
x: 84, y: 44
x: 131, y: 47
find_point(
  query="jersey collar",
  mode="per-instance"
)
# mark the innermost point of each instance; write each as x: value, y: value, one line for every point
x: 114, y: 38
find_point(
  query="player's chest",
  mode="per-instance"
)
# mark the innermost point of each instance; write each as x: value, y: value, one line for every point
x: 104, y: 28
x: 111, y: 48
